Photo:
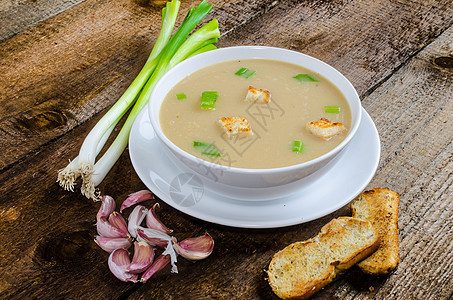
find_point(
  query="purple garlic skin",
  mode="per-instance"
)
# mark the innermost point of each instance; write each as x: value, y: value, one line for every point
x: 153, y: 222
x: 158, y: 265
x: 105, y: 229
x: 196, y: 248
x: 153, y: 237
x: 107, y: 207
x: 118, y: 263
x: 117, y: 220
x: 111, y: 244
x: 135, y: 219
x: 143, y: 258
x: 136, y: 198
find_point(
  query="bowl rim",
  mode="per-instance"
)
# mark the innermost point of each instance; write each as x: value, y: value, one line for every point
x: 218, y: 52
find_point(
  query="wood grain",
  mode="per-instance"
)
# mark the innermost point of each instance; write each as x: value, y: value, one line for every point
x: 63, y: 71
x: 387, y: 49
x: 18, y: 16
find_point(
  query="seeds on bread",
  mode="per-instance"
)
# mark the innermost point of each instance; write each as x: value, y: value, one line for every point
x: 380, y: 207
x: 303, y: 268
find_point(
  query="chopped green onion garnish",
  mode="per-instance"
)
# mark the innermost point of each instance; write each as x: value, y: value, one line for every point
x: 332, y: 109
x: 181, y: 96
x: 241, y: 71
x: 298, y: 146
x: 208, y: 99
x: 250, y: 74
x: 211, y: 153
x: 207, y: 149
x: 305, y: 78
x: 244, y: 72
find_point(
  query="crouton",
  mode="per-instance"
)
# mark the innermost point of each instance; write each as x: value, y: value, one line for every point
x: 258, y: 96
x: 235, y: 126
x: 325, y: 129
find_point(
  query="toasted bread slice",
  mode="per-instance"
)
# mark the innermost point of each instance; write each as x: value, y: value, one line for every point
x: 303, y: 268
x: 380, y: 207
x: 325, y: 129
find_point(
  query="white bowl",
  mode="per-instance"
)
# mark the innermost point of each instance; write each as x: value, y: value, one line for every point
x: 230, y: 180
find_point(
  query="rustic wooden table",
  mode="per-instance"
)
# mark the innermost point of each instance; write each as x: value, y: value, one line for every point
x: 64, y: 62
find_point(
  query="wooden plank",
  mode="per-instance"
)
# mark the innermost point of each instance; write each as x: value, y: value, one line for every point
x: 18, y: 16
x: 413, y: 111
x: 63, y: 71
x: 53, y: 255
x: 365, y: 40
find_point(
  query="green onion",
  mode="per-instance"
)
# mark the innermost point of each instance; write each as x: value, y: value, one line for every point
x: 241, y: 71
x: 244, y: 72
x: 305, y: 78
x: 206, y: 149
x: 181, y: 96
x: 208, y: 99
x: 332, y: 109
x: 250, y: 74
x: 167, y: 52
x: 298, y: 146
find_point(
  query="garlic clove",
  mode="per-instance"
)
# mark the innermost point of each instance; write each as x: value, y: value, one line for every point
x: 143, y: 258
x: 107, y: 207
x: 153, y: 237
x: 117, y: 220
x: 105, y: 229
x: 158, y: 265
x: 196, y: 248
x: 110, y: 244
x: 135, y: 219
x: 135, y: 198
x: 152, y: 221
x: 118, y: 262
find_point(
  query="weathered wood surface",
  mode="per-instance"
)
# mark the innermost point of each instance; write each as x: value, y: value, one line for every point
x: 58, y: 76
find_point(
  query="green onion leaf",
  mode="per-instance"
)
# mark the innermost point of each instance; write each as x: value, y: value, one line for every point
x: 208, y: 99
x: 332, y: 109
x: 206, y: 149
x: 298, y: 146
x: 250, y: 74
x: 244, y: 72
x: 181, y: 96
x: 241, y: 71
x: 305, y: 78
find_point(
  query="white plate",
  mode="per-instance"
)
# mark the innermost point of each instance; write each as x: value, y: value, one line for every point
x: 186, y: 192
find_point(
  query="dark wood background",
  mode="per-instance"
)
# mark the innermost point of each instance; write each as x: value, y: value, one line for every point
x: 64, y: 62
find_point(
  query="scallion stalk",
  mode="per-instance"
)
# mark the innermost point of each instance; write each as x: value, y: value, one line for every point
x: 165, y: 54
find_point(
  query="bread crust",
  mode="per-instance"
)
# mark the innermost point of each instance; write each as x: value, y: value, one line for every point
x: 380, y: 207
x: 303, y: 268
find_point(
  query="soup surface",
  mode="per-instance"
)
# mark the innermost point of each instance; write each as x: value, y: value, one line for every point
x: 275, y: 125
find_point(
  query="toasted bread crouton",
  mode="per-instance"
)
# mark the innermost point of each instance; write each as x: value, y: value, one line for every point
x: 380, y: 207
x: 325, y: 129
x: 303, y: 268
x: 257, y: 96
x: 235, y: 126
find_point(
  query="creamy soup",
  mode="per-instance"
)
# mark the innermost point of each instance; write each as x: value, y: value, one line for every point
x: 278, y: 127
